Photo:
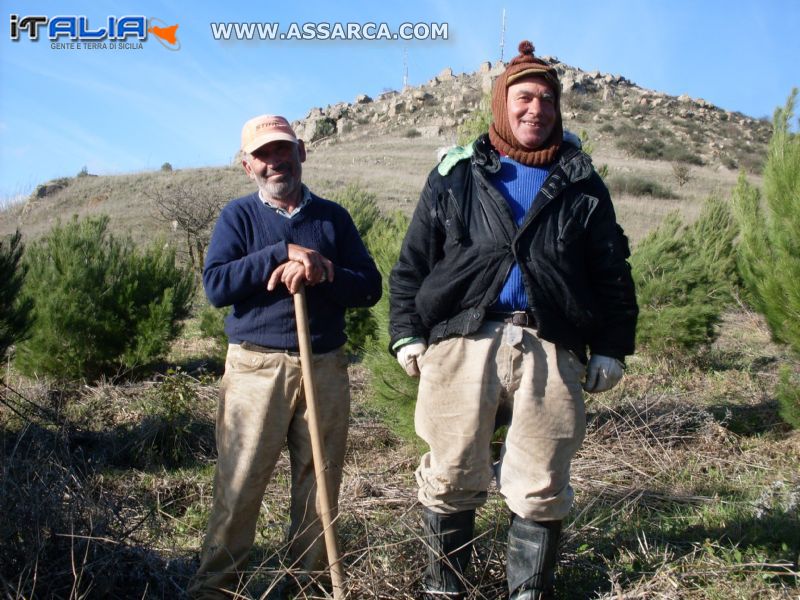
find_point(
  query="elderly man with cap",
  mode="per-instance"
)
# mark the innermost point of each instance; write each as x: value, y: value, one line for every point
x: 512, y: 267
x: 264, y: 247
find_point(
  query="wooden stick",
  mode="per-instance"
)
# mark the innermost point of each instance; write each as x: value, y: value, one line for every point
x: 306, y: 358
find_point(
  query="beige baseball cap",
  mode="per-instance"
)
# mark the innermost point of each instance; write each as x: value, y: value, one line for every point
x: 265, y: 129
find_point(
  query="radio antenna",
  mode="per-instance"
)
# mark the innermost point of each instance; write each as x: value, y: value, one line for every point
x: 503, y: 35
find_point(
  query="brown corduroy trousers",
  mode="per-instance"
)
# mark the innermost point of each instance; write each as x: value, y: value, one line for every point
x: 502, y: 374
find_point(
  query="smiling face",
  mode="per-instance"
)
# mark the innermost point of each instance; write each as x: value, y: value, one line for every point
x: 276, y: 169
x: 531, y: 107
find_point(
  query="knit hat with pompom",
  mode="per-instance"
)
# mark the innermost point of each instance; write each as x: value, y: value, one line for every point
x: 500, y: 134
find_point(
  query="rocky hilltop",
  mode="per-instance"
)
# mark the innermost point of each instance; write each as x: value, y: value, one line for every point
x: 388, y: 144
x: 592, y: 101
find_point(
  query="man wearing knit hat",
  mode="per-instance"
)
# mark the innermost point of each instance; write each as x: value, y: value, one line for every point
x: 512, y: 268
x: 264, y: 247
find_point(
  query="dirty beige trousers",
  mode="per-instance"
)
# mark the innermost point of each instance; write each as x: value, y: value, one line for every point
x: 468, y: 386
x: 261, y: 406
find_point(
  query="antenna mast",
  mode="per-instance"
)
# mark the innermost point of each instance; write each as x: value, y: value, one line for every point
x: 405, y: 68
x: 503, y: 36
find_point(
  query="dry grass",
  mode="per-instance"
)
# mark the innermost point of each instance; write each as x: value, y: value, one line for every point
x: 686, y: 487
x: 393, y: 168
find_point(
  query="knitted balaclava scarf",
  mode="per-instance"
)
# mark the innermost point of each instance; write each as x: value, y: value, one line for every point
x: 524, y: 65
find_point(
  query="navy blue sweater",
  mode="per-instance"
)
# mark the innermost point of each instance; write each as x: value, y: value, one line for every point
x: 250, y: 240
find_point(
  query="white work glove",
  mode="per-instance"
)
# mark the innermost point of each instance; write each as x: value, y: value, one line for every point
x: 407, y: 357
x: 602, y: 374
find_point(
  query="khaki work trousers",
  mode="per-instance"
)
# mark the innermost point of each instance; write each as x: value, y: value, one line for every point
x: 468, y: 387
x: 261, y: 406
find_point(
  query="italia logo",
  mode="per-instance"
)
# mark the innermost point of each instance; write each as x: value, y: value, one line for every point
x: 129, y: 30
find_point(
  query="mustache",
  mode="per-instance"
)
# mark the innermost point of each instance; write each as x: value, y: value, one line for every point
x: 282, y: 167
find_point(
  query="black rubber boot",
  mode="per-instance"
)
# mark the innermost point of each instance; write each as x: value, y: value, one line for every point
x: 448, y: 541
x: 531, y: 562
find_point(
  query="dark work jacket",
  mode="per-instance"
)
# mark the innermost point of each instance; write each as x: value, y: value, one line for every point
x: 462, y: 241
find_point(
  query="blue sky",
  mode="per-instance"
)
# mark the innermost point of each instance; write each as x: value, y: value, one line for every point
x: 117, y: 111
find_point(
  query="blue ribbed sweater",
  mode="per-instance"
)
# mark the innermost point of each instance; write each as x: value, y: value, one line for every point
x: 519, y: 185
x: 250, y: 240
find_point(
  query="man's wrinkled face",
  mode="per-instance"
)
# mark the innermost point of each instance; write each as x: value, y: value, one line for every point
x: 276, y: 168
x: 531, y: 105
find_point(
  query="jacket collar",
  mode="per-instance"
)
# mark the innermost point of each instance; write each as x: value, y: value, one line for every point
x: 575, y: 164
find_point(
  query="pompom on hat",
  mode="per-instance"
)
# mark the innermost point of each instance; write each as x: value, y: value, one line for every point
x: 522, y: 66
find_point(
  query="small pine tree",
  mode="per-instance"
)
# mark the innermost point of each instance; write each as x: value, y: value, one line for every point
x: 15, y: 318
x: 684, y: 276
x: 477, y: 123
x: 99, y: 304
x: 769, y: 250
x: 788, y: 393
x: 394, y: 393
x: 212, y: 325
x: 362, y: 205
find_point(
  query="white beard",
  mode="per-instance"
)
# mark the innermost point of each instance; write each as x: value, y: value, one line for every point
x: 279, y: 190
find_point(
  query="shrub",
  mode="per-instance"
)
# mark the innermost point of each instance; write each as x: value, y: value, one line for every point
x: 166, y: 167
x: 650, y: 145
x: 324, y: 127
x: 15, y: 318
x: 643, y: 147
x: 677, y: 153
x: 54, y: 186
x: 681, y: 172
x: 173, y: 430
x: 577, y: 101
x: 99, y: 304
x: 636, y: 185
x: 769, y: 250
x: 411, y: 133
x: 729, y: 162
x: 684, y: 277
